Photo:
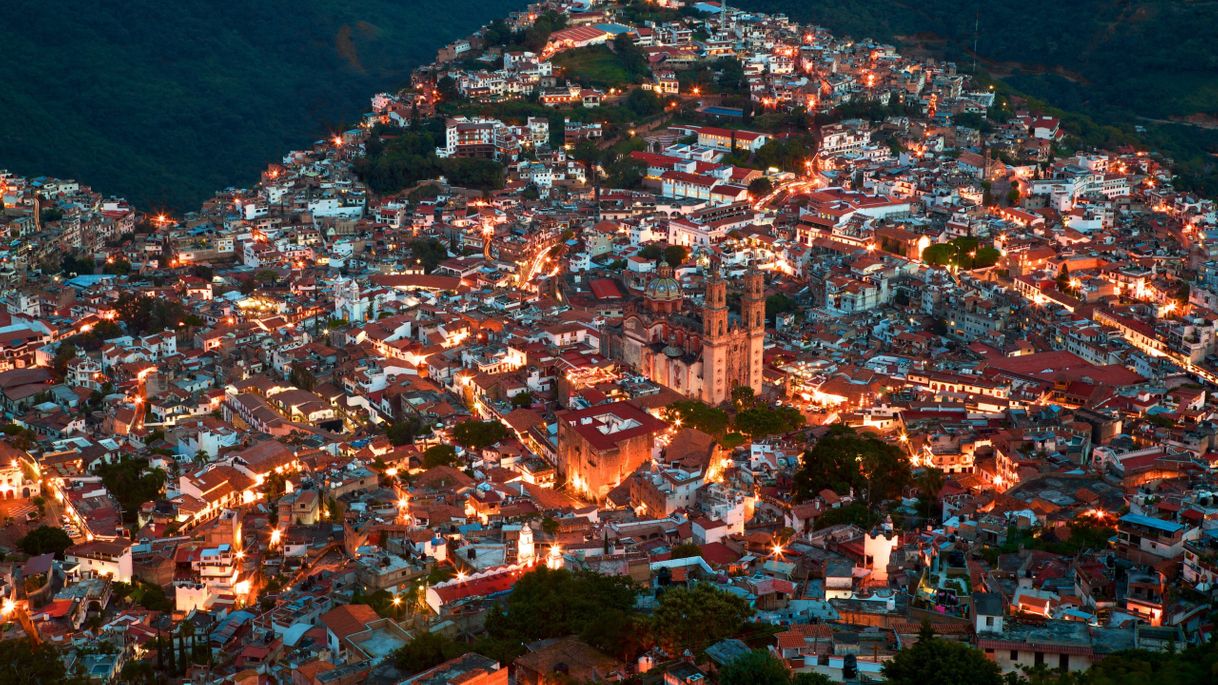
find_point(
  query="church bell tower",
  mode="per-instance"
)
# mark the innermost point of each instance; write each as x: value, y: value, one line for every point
x: 752, y: 305
x: 715, y: 341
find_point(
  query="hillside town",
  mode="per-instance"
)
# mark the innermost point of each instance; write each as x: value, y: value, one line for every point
x: 632, y: 342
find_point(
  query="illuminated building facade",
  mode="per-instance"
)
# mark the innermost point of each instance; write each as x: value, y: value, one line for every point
x: 702, y: 356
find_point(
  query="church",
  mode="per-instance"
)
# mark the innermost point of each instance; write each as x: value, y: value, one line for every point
x: 702, y: 352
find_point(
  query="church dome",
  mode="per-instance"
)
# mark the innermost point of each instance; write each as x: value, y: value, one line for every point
x: 663, y: 289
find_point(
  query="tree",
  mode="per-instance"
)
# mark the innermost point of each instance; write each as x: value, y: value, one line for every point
x: 522, y: 400
x: 760, y: 187
x: 426, y: 650
x: 44, y: 540
x: 71, y: 264
x: 405, y: 431
x: 479, y: 435
x: 986, y: 256
x: 788, y: 154
x: 744, y: 397
x: 694, y: 618
x: 843, y: 459
x: 675, y: 255
x: 132, y: 484
x: 760, y: 421
x: 25, y: 662
x: 144, y: 314
x: 686, y: 550
x: 710, y: 420
x: 634, y: 62
x: 1065, y: 284
x: 429, y: 251
x: 643, y: 103
x: 626, y: 172
x: 447, y: 89
x: 758, y: 667
x: 933, y: 660
x: 555, y: 603
x: 939, y: 254
x: 439, y: 455
x: 65, y: 354
x: 777, y: 305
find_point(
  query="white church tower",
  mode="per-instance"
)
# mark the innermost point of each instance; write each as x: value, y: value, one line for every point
x: 349, y: 303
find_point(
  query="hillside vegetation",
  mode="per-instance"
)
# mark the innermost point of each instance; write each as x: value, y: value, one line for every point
x: 166, y: 102
x: 1123, y: 62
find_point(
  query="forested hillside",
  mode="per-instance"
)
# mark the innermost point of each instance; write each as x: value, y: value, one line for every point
x: 1124, y: 62
x: 166, y: 102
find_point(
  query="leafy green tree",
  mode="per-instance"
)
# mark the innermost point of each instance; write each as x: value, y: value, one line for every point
x: 426, y: 650
x: 643, y: 103
x: 72, y: 264
x: 758, y: 667
x: 695, y: 414
x: 439, y: 455
x: 626, y: 173
x: 1063, y: 280
x: 497, y: 33
x: 554, y: 603
x: 446, y: 88
x: 743, y: 397
x: 986, y: 256
x: 933, y: 659
x: 144, y: 314
x: 843, y: 459
x: 65, y: 354
x: 479, y: 435
x: 761, y: 421
x: 686, y: 550
x: 788, y: 154
x: 777, y: 305
x: 760, y: 187
x: 45, y: 539
x: 694, y: 618
x: 132, y: 483
x: 634, y: 62
x: 676, y: 255
x: 522, y: 400
x: 939, y: 254
x: 25, y: 662
x: 405, y: 431
x: 429, y: 251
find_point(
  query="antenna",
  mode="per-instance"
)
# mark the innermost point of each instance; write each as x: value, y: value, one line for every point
x: 976, y: 36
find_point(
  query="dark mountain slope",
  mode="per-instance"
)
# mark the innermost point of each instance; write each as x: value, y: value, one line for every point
x: 166, y: 102
x: 1151, y: 63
